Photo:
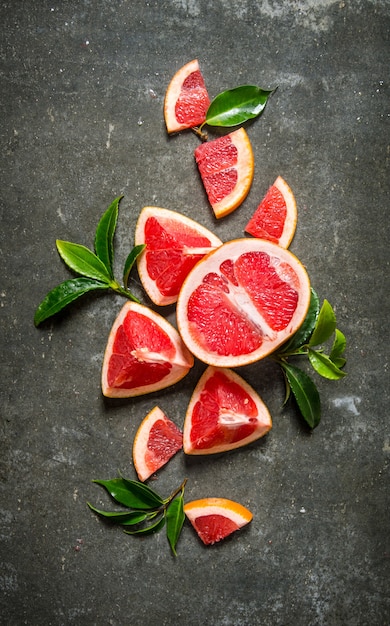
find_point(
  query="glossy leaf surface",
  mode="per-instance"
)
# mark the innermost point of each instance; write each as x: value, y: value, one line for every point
x: 136, y: 251
x: 236, y: 106
x: 305, y: 393
x: 324, y: 366
x: 325, y: 326
x: 104, y: 237
x: 130, y: 493
x: 82, y: 261
x: 175, y: 519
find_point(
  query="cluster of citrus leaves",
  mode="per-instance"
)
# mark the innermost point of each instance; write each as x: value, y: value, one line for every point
x: 146, y: 512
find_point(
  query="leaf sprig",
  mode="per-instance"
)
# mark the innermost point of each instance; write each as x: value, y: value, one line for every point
x: 95, y: 269
x: 146, y: 512
x: 318, y: 327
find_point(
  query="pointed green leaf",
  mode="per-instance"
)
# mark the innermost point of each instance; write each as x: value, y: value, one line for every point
x: 325, y: 326
x: 120, y: 517
x: 148, y: 530
x: 236, y: 106
x: 131, y: 493
x: 62, y: 295
x: 324, y: 366
x: 175, y: 519
x: 104, y: 237
x: 301, y: 337
x: 339, y: 361
x: 81, y: 260
x: 339, y: 345
x: 305, y: 393
x: 136, y: 251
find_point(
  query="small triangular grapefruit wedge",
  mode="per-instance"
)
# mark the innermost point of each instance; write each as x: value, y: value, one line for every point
x: 215, y: 519
x: 144, y: 353
x: 156, y: 441
x: 241, y: 302
x: 224, y: 413
x: 174, y: 244
x: 275, y: 219
x: 226, y: 166
x: 186, y: 99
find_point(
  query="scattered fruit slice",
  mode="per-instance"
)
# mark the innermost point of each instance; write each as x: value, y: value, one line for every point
x: 156, y: 441
x: 224, y: 413
x: 216, y: 518
x: 186, y: 99
x: 174, y: 244
x: 242, y: 301
x: 144, y: 353
x: 275, y: 219
x: 226, y: 166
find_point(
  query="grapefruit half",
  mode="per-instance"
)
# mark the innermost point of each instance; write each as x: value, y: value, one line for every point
x: 242, y: 301
x: 144, y: 353
x: 275, y: 219
x: 224, y: 413
x: 226, y: 167
x: 216, y: 518
x: 186, y: 99
x: 174, y: 244
x: 156, y: 441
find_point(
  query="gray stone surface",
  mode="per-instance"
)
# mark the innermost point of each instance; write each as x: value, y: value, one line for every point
x: 82, y: 88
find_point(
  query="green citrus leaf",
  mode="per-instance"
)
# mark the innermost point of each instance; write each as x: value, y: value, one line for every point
x: 175, y: 519
x: 339, y: 345
x: 148, y: 530
x: 136, y: 251
x: 324, y: 366
x: 81, y: 260
x: 104, y: 236
x: 305, y: 393
x: 236, y: 106
x: 62, y: 295
x: 339, y: 361
x: 302, y: 335
x: 325, y: 326
x: 131, y: 493
x: 120, y: 517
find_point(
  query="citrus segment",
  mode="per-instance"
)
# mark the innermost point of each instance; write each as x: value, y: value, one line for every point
x: 226, y: 167
x: 144, y: 353
x: 275, y: 218
x: 156, y: 441
x: 186, y: 99
x: 241, y: 301
x: 216, y: 518
x: 174, y: 244
x: 224, y: 413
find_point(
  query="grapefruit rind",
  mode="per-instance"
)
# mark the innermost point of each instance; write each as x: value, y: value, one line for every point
x: 173, y: 93
x: 171, y: 220
x: 287, y: 267
x: 179, y: 361
x: 231, y: 418
x: 145, y: 466
x: 236, y: 513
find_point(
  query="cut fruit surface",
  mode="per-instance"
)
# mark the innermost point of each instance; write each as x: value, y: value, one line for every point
x: 174, y: 244
x: 144, y: 353
x: 275, y: 219
x: 216, y: 518
x: 224, y: 413
x: 242, y: 301
x: 156, y: 441
x: 186, y: 99
x: 226, y: 167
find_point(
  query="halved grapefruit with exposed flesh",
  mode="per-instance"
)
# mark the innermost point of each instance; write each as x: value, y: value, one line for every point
x: 174, y: 244
x: 186, y: 99
x: 242, y: 301
x: 216, y: 518
x: 224, y: 413
x: 144, y: 353
x: 156, y: 441
x: 275, y: 219
x: 226, y: 167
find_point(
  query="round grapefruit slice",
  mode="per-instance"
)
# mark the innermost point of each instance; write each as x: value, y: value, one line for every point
x: 226, y: 167
x: 224, y: 413
x: 275, y: 219
x: 174, y: 244
x: 186, y: 99
x: 144, y: 353
x: 242, y: 301
x: 216, y: 518
x: 156, y: 441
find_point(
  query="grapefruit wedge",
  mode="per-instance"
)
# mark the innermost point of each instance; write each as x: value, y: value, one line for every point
x: 144, y: 353
x: 186, y: 99
x: 215, y: 519
x: 275, y: 219
x: 156, y: 441
x: 174, y: 244
x: 242, y: 301
x: 226, y: 167
x: 224, y: 413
